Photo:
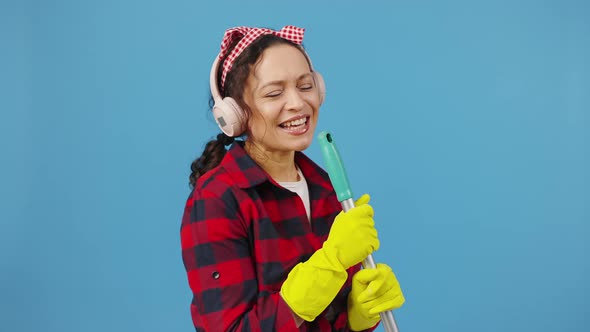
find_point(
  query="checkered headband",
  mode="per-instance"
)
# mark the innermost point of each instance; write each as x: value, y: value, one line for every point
x: 248, y: 36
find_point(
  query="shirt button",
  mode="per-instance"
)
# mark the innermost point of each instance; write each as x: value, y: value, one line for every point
x: 215, y: 275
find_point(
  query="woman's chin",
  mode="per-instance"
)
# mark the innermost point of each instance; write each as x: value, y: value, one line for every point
x: 301, y: 142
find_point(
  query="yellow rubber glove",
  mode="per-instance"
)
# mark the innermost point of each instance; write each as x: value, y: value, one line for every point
x: 373, y: 291
x: 312, y: 285
x: 353, y: 236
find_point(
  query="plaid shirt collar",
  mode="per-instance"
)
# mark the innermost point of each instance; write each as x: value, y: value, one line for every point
x: 246, y: 173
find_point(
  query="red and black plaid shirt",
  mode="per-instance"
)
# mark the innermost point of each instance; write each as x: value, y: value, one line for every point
x: 242, y: 233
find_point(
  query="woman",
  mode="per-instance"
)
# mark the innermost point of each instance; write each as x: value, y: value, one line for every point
x: 264, y: 240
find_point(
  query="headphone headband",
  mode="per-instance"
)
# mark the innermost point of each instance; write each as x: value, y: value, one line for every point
x: 213, y: 80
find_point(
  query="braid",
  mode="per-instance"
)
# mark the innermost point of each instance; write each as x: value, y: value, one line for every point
x: 211, y: 157
x: 224, y: 139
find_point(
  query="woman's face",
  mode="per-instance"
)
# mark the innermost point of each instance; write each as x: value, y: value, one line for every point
x: 284, y: 100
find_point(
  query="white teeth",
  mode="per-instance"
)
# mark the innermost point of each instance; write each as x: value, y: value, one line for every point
x: 295, y: 122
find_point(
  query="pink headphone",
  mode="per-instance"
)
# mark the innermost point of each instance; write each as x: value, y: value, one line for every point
x: 230, y: 117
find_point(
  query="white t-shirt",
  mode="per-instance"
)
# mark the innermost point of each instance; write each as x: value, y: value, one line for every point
x: 300, y: 188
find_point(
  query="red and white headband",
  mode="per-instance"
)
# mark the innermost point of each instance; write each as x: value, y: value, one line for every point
x: 248, y: 36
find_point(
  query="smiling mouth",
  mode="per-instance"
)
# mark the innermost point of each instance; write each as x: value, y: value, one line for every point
x: 299, y: 123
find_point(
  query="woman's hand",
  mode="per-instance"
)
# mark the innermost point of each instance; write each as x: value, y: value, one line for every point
x: 373, y: 291
x: 353, y: 236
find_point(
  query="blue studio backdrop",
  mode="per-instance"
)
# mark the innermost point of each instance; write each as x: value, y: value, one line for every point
x: 466, y: 121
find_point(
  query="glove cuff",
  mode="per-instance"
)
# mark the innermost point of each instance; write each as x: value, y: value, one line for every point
x: 311, y: 286
x: 332, y: 254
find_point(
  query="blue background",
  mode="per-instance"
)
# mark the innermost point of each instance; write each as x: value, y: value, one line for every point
x: 467, y: 122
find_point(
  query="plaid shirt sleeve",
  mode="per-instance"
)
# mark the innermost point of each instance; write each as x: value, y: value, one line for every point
x: 221, y: 273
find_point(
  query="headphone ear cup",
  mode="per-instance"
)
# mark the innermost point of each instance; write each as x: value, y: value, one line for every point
x: 319, y: 81
x: 230, y: 117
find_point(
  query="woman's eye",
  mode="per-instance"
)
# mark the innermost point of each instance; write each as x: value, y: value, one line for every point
x: 273, y: 94
x: 306, y: 87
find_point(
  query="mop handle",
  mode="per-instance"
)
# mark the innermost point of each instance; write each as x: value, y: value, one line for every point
x: 339, y: 180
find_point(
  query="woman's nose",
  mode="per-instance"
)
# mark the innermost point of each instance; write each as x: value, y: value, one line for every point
x: 294, y: 100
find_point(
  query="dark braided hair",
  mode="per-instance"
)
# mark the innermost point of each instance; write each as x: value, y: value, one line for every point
x: 211, y: 157
x: 234, y: 86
